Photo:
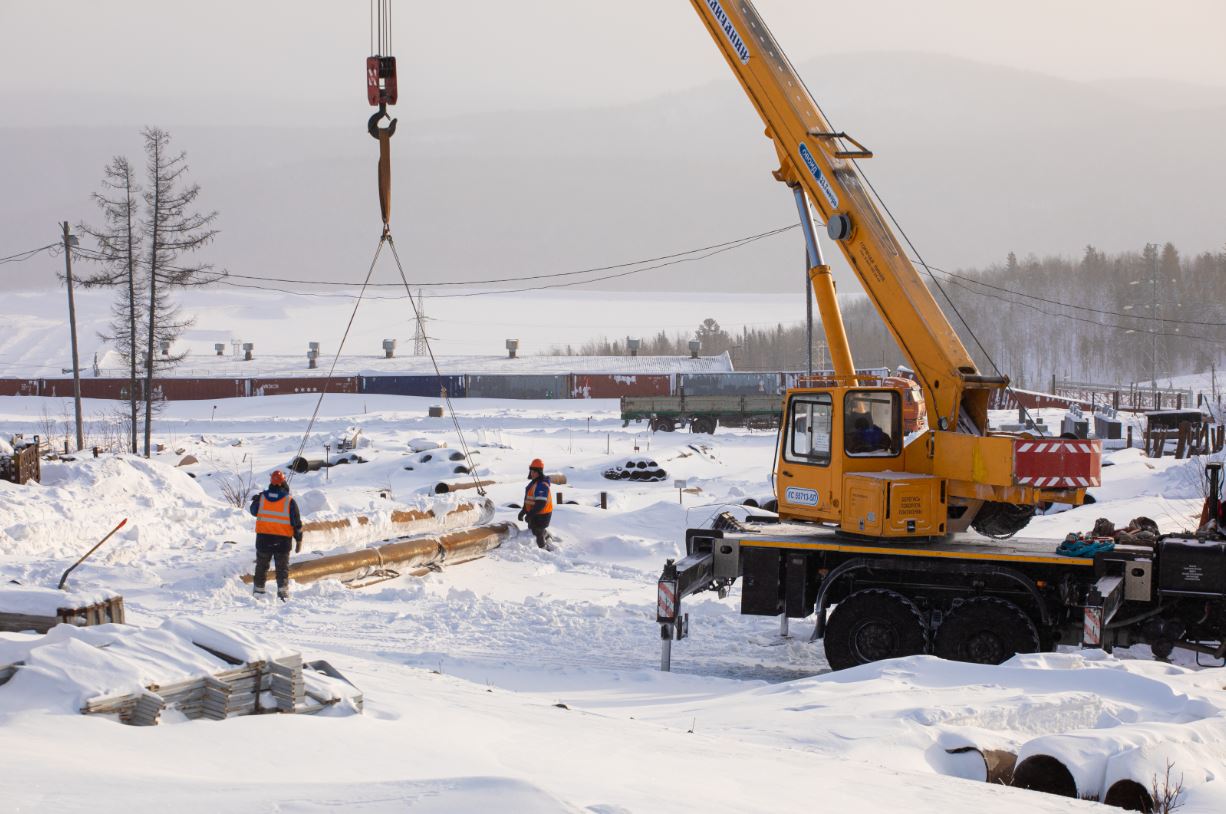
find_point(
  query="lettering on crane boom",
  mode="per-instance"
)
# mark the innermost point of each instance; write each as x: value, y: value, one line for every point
x: 721, y: 17
x: 811, y: 163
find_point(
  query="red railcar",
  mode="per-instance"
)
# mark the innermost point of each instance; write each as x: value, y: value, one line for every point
x: 288, y: 385
x: 616, y: 385
x: 91, y: 388
x: 18, y: 387
x: 199, y: 389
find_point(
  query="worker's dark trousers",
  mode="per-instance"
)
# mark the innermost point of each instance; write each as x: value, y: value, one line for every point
x: 538, y: 523
x: 268, y: 547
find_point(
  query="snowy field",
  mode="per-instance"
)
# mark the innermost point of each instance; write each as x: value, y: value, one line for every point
x: 528, y: 680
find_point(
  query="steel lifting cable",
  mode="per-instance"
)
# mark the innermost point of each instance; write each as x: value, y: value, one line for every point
x: 328, y: 380
x: 381, y: 92
x: 472, y: 465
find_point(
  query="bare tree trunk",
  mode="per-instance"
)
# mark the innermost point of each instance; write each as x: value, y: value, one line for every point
x: 132, y: 349
x: 133, y: 402
x: 153, y: 284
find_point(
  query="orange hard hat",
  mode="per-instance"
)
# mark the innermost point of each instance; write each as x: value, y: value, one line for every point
x: 277, y: 478
x: 537, y: 464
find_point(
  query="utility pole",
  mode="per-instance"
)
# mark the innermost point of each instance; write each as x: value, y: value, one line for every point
x: 70, y: 241
x: 1153, y: 359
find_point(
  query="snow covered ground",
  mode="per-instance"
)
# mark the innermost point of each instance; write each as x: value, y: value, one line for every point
x: 528, y: 680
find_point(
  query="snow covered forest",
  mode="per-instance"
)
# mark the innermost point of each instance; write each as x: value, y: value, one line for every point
x: 1098, y: 318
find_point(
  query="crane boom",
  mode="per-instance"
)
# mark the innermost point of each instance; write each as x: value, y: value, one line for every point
x: 816, y: 157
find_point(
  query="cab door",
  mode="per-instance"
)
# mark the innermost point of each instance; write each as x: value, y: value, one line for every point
x: 808, y: 473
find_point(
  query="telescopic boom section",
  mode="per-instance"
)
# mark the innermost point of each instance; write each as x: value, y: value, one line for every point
x: 812, y: 155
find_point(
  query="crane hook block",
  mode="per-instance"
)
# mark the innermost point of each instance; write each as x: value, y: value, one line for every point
x: 381, y: 80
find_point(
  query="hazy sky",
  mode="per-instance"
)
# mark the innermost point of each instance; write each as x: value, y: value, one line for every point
x: 478, y: 55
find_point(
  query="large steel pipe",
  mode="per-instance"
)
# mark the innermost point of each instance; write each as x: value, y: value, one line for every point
x: 371, y: 529
x: 1047, y: 774
x: 403, y: 556
x: 998, y: 764
x: 444, y: 487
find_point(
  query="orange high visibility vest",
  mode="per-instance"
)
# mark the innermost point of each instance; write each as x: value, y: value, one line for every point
x: 273, y: 517
x: 530, y: 496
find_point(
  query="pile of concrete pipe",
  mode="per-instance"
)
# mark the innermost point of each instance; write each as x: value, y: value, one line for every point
x: 1124, y: 766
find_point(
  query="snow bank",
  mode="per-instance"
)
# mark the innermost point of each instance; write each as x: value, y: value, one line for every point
x: 80, y: 501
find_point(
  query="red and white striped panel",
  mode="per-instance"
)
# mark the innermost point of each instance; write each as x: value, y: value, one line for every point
x: 1058, y: 464
x: 666, y: 601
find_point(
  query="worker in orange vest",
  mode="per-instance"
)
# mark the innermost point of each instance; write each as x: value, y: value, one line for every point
x: 277, y: 521
x: 538, y: 503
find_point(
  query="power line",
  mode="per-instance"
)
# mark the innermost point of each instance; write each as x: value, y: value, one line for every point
x: 1100, y: 311
x: 719, y: 249
x: 26, y: 255
x: 1097, y: 323
x: 595, y: 269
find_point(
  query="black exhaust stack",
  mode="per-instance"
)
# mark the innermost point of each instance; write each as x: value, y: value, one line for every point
x: 1214, y: 472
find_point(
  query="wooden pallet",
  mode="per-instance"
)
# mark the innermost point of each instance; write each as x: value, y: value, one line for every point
x: 108, y: 611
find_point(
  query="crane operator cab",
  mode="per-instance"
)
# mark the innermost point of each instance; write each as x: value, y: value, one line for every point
x: 841, y: 462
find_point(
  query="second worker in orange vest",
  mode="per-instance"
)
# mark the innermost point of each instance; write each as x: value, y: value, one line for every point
x: 277, y: 521
x: 538, y: 503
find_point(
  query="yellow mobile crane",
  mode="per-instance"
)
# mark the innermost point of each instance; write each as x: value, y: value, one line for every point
x: 865, y: 521
x: 842, y: 459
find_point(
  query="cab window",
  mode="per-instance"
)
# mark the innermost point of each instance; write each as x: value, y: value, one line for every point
x: 809, y: 420
x: 872, y: 423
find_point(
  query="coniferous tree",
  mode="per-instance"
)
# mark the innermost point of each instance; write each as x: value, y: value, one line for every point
x: 172, y: 228
x: 119, y: 248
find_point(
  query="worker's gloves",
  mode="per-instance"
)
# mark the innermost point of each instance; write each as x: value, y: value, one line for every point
x: 297, y: 542
x: 522, y: 514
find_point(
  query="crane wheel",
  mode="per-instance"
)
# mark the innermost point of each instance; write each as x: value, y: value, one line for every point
x: 872, y: 625
x: 985, y: 630
x: 1001, y: 520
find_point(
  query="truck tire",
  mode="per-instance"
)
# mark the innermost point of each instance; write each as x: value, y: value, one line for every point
x: 663, y: 425
x: 704, y: 426
x: 985, y: 630
x: 872, y: 625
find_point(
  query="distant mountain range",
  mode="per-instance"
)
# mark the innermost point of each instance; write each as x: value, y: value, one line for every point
x: 974, y: 160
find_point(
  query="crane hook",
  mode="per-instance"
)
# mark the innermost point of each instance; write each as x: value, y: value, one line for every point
x: 372, y: 124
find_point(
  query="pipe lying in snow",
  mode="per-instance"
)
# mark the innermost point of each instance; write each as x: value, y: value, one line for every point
x: 361, y: 529
x: 1129, y: 795
x: 407, y: 556
x: 998, y: 764
x: 1120, y: 763
x: 455, y: 486
x: 1045, y: 773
